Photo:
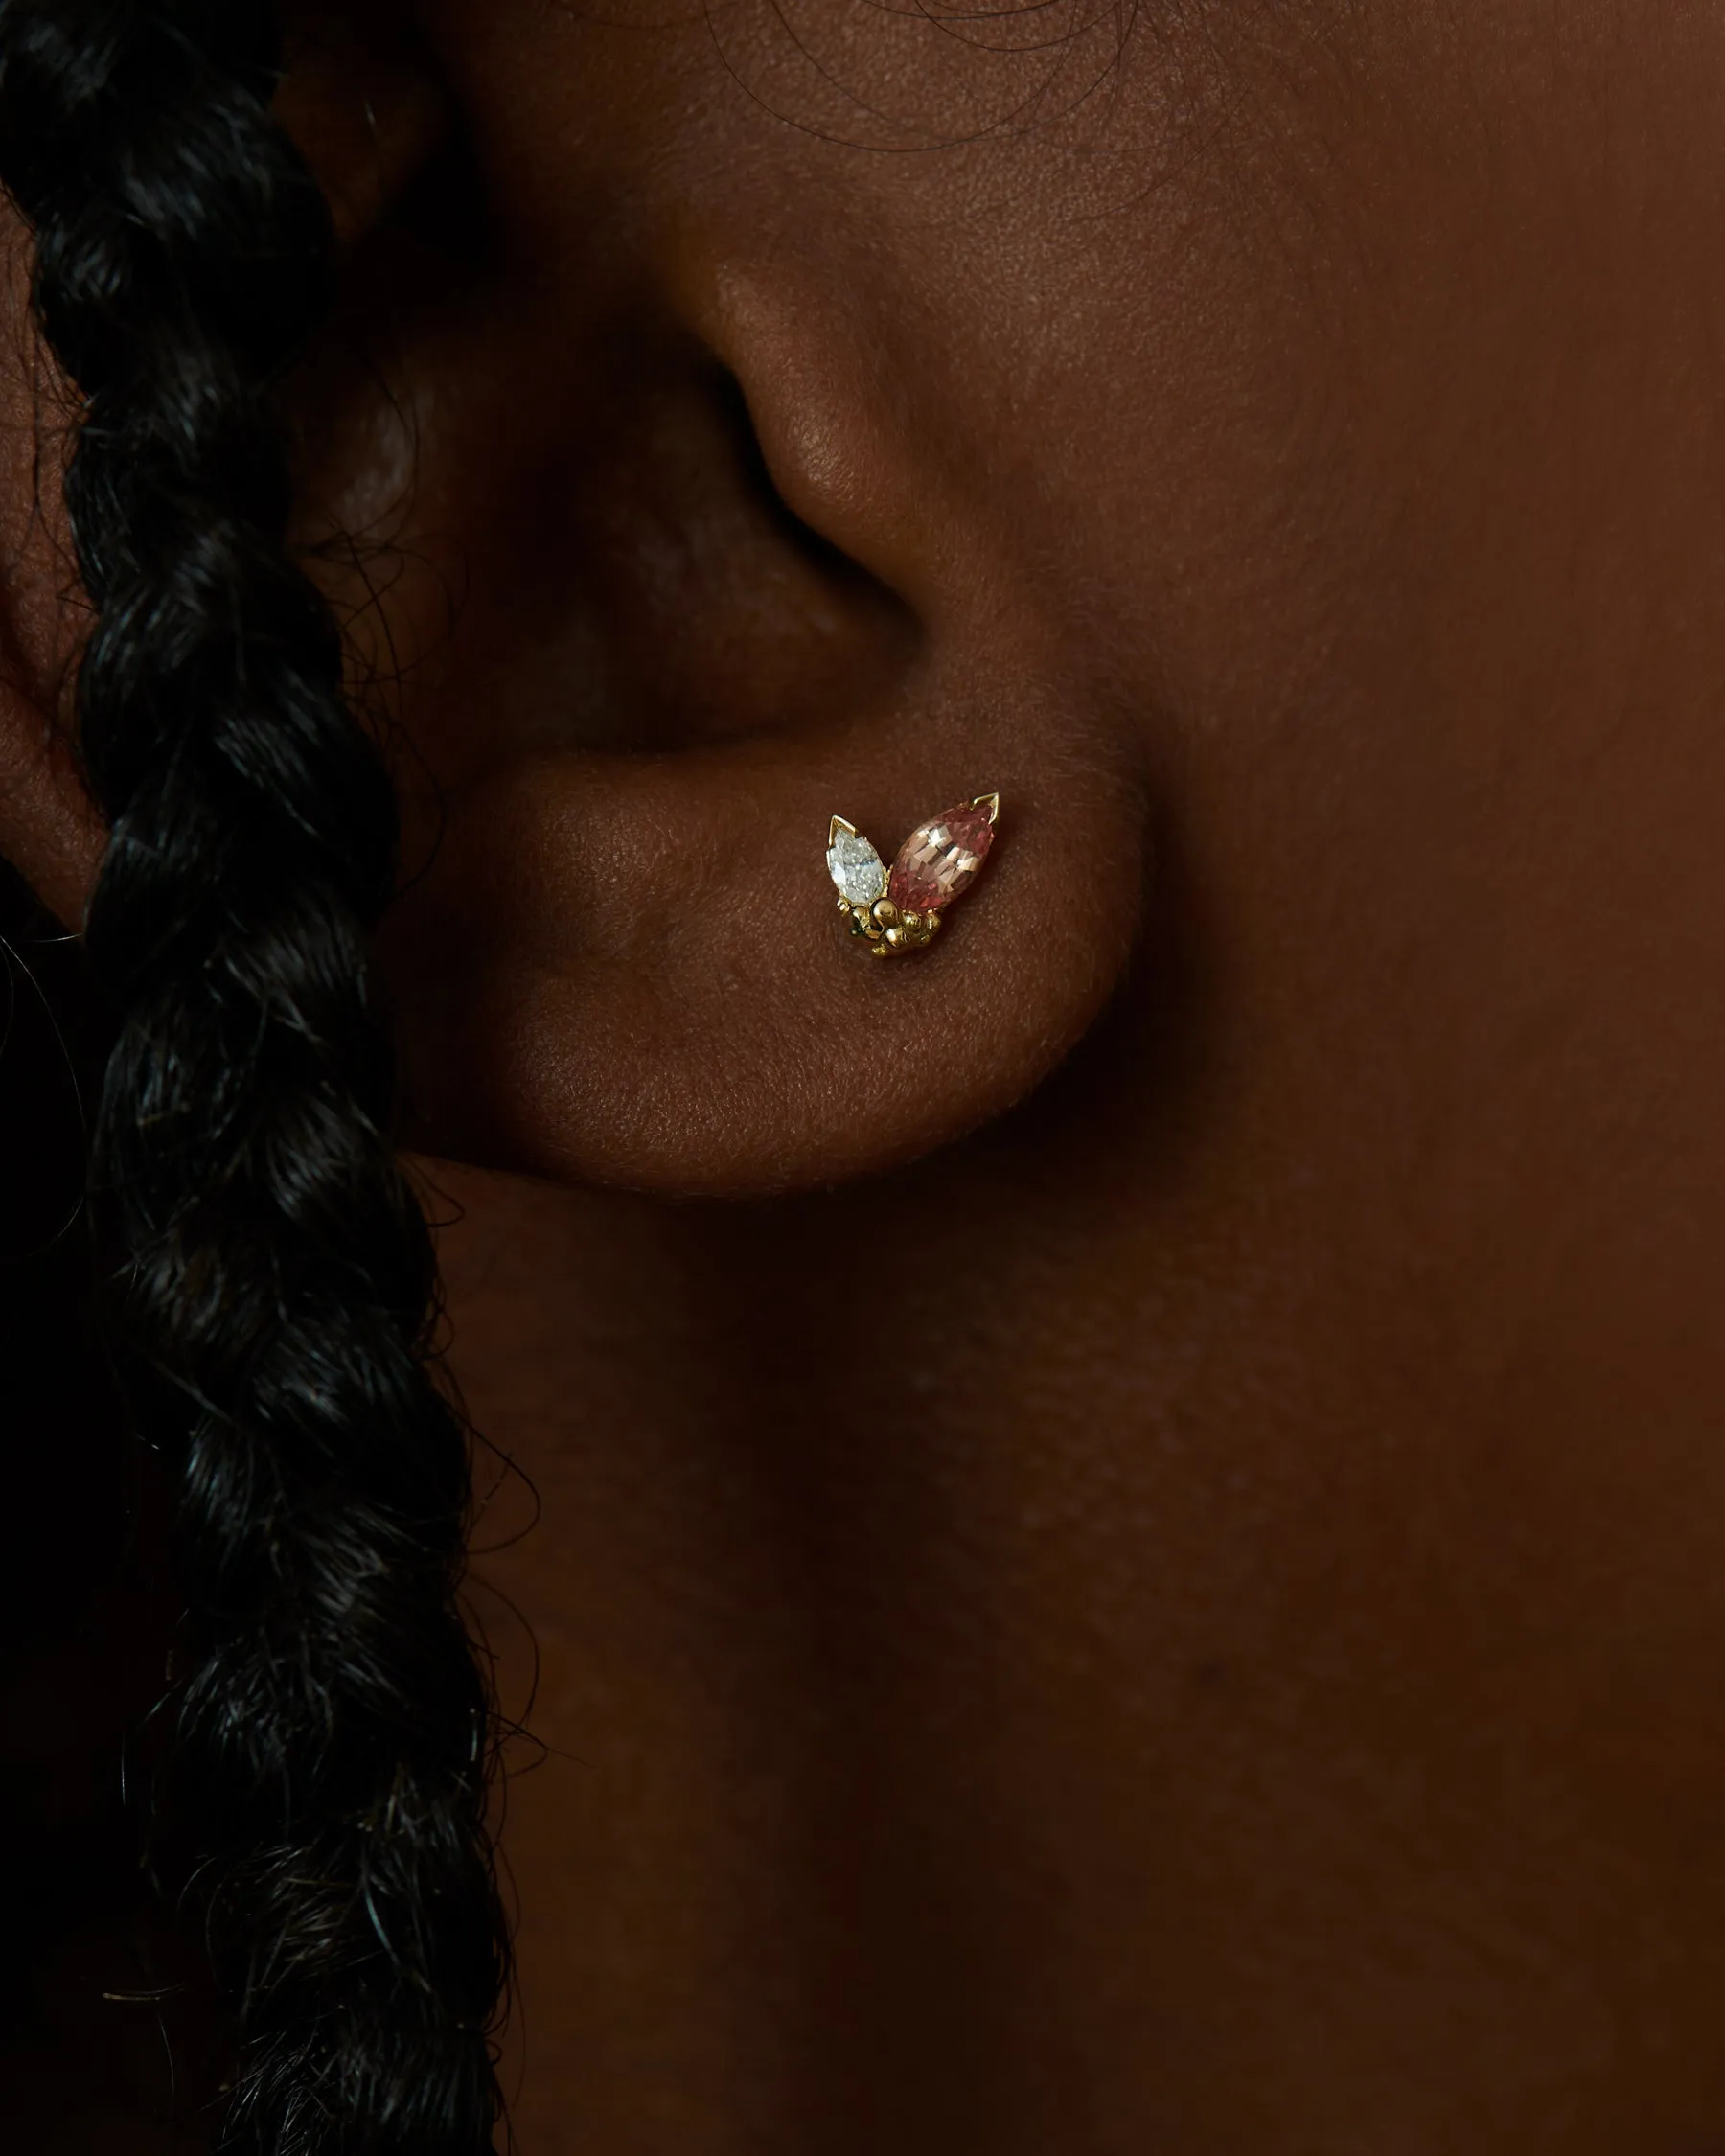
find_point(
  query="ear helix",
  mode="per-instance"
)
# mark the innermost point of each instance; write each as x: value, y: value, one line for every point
x: 890, y: 913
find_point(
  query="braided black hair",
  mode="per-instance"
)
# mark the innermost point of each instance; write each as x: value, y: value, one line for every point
x: 333, y: 1725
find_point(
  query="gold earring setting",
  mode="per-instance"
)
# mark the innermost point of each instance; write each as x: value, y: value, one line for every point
x: 892, y: 913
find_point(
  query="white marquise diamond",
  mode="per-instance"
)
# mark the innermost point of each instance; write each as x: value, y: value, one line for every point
x: 854, y: 866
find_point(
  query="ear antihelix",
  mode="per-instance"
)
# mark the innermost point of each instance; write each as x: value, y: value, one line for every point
x: 892, y: 913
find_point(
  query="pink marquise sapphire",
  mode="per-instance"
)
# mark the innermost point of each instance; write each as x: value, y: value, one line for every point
x: 941, y: 860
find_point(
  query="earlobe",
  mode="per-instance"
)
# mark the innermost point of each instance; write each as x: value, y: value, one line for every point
x: 635, y: 974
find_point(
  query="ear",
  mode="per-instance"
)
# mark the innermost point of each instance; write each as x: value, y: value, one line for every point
x: 627, y: 963
x: 48, y: 829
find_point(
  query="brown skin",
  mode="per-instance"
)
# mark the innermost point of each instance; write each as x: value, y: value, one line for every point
x: 1141, y: 1572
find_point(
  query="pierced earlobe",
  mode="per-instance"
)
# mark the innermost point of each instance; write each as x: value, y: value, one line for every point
x: 892, y: 913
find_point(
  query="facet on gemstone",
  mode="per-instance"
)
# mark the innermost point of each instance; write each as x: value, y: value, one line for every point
x: 941, y: 858
x: 853, y: 864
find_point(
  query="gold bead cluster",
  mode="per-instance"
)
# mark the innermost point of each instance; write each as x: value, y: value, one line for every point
x: 888, y: 933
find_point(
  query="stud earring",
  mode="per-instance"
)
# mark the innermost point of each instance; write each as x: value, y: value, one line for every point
x: 890, y: 913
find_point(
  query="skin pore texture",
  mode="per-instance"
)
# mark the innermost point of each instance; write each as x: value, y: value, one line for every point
x: 1117, y: 1536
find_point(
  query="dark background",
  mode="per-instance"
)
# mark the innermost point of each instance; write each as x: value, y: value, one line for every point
x: 87, y: 1617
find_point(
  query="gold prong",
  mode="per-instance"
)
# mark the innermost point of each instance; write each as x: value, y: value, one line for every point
x: 836, y: 826
x: 989, y: 801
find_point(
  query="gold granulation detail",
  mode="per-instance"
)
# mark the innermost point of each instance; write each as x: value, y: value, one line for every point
x: 887, y: 933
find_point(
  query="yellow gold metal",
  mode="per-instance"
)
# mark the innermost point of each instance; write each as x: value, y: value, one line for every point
x: 885, y: 930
